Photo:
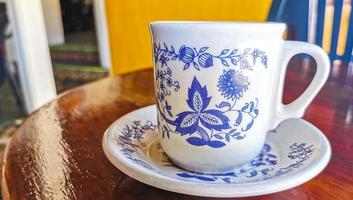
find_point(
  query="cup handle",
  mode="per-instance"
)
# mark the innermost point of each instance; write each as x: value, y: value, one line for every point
x: 297, y: 108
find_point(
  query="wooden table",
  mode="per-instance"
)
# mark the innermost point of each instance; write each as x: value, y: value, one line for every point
x: 57, y: 152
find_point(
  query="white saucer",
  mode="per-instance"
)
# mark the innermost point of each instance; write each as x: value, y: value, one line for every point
x: 294, y: 153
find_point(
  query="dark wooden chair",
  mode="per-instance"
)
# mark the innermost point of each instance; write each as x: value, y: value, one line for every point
x: 327, y: 23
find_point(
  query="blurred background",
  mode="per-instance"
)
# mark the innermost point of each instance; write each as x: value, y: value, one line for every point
x: 50, y: 46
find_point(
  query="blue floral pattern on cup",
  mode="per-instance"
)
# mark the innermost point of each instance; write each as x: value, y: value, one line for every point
x: 165, y: 83
x: 232, y: 84
x: 206, y: 123
x: 194, y: 122
x: 263, y: 167
x: 202, y: 58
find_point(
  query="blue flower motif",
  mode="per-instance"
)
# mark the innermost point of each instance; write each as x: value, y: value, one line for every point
x: 164, y: 60
x: 206, y: 60
x: 169, y: 82
x: 165, y: 83
x: 244, y: 64
x: 186, y: 54
x: 169, y: 72
x: 264, y: 60
x: 255, y: 53
x: 129, y: 139
x: 232, y: 84
x: 188, y: 122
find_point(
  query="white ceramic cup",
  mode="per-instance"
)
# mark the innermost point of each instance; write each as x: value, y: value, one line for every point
x: 219, y: 89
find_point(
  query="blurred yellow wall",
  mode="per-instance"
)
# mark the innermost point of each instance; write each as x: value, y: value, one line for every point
x: 128, y: 23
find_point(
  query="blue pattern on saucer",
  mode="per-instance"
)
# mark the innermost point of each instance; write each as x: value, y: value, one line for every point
x: 263, y: 167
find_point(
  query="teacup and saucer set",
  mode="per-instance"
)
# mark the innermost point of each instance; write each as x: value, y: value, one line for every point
x: 219, y: 127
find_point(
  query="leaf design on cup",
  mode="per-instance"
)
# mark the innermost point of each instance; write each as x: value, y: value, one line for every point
x: 188, y: 122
